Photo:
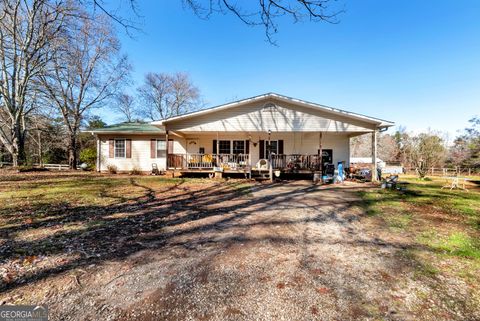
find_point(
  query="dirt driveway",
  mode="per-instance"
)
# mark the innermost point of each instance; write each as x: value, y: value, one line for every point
x: 287, y: 251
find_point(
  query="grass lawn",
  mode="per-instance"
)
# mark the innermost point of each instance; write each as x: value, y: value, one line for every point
x: 441, y: 228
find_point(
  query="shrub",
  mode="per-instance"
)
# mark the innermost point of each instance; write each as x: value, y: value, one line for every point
x: 55, y: 156
x: 135, y: 171
x: 112, y: 169
x: 89, y: 157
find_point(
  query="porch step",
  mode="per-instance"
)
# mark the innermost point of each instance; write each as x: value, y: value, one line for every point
x: 261, y: 175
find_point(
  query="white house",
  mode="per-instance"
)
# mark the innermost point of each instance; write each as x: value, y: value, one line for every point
x: 265, y: 132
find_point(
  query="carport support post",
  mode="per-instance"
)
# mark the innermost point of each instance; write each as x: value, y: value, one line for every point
x: 374, y: 155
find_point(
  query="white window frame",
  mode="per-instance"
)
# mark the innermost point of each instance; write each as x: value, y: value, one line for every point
x: 124, y: 148
x: 230, y: 147
x: 244, y: 146
x: 267, y: 143
x: 157, y: 150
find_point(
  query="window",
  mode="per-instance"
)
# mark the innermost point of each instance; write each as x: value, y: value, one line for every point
x: 161, y: 146
x: 238, y: 147
x: 224, y: 147
x: 272, y: 148
x: 201, y: 150
x: 120, y: 150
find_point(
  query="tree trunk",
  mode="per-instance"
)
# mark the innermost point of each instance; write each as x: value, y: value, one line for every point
x: 72, y: 152
x: 18, y: 145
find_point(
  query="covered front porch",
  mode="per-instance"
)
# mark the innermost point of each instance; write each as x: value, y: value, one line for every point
x: 289, y: 152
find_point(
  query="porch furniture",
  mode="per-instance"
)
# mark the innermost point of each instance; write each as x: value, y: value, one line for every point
x: 262, y: 164
x: 390, y: 182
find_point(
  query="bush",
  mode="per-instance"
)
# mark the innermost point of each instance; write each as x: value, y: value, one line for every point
x: 135, y: 171
x: 55, y: 156
x: 112, y: 169
x: 89, y: 157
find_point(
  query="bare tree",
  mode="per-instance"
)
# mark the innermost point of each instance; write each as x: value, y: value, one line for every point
x: 85, y: 73
x: 166, y: 95
x: 361, y: 146
x: 125, y: 105
x: 424, y: 151
x: 27, y: 33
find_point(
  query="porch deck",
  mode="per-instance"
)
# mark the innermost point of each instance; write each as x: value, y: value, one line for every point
x: 240, y: 163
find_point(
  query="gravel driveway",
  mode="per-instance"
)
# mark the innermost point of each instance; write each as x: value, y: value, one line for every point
x: 287, y: 251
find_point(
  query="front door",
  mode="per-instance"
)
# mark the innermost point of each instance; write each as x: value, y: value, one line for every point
x: 192, y: 146
x: 327, y: 156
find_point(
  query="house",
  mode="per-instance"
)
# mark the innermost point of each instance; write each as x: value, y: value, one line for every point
x: 266, y: 133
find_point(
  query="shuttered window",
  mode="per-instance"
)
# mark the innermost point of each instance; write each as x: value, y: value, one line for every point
x: 238, y: 147
x: 224, y: 147
x: 120, y: 149
x: 271, y: 147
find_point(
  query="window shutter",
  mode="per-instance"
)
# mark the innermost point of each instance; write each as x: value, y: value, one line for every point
x: 214, y: 149
x: 111, y: 148
x: 247, y: 146
x: 280, y: 146
x: 153, y: 148
x: 262, y: 149
x: 128, y: 148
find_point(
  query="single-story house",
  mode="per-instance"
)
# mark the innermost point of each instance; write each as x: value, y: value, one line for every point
x: 270, y: 132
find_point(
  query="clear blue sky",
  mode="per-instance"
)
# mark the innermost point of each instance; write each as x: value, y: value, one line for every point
x: 413, y: 62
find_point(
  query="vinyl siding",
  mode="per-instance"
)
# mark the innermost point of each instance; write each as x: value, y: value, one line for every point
x: 284, y: 118
x: 140, y: 154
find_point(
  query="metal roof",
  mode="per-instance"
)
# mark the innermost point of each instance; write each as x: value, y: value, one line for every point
x: 129, y: 128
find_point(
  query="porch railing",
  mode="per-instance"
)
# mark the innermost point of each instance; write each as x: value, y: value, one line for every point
x: 207, y: 161
x: 296, y: 162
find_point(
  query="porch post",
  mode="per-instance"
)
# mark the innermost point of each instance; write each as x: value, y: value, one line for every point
x: 166, y: 150
x: 374, y: 155
x: 218, y: 152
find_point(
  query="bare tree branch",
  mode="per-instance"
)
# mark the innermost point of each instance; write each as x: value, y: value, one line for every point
x: 166, y: 95
x: 266, y: 12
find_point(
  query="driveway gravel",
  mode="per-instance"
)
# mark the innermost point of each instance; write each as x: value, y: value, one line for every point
x: 285, y: 251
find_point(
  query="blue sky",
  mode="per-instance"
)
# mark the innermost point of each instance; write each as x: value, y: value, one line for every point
x: 413, y: 62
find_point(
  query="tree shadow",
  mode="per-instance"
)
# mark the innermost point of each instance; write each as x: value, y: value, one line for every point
x: 175, y: 216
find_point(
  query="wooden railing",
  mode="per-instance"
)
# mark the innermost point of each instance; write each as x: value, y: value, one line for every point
x: 207, y: 161
x: 296, y: 162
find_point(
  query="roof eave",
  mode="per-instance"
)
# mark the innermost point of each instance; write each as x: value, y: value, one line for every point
x: 378, y: 122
